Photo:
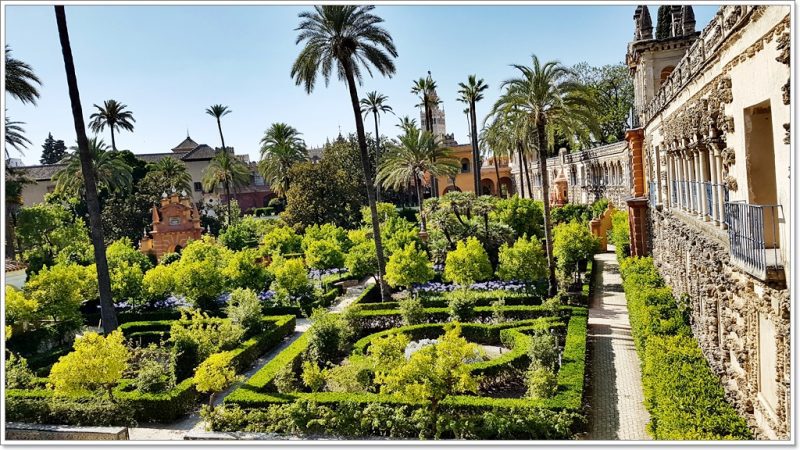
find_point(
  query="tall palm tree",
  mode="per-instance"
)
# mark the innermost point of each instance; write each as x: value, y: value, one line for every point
x: 114, y: 116
x: 218, y: 111
x: 415, y: 154
x: 107, y: 313
x: 350, y: 39
x: 108, y: 169
x: 375, y: 103
x: 227, y: 169
x: 507, y: 136
x: 492, y: 140
x: 546, y: 95
x: 20, y: 79
x: 406, y: 123
x: 281, y: 148
x: 15, y: 136
x: 15, y: 180
x: 174, y: 172
x: 425, y: 88
x: 470, y: 93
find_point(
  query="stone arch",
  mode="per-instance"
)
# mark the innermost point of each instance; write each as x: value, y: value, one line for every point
x: 452, y: 188
x: 665, y: 73
x: 506, y: 188
x: 487, y: 187
x: 465, y: 165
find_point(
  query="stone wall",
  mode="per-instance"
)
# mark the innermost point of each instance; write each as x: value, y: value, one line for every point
x: 730, y: 310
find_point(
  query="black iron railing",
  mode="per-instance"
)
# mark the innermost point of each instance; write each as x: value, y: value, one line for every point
x: 753, y: 231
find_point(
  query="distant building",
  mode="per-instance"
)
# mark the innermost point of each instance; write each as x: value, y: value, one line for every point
x: 175, y: 222
x: 195, y: 156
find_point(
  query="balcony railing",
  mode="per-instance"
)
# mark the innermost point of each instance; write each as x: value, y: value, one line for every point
x: 753, y: 231
x: 652, y: 194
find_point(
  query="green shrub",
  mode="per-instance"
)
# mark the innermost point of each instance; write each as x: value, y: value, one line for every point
x: 244, y: 309
x: 326, y: 232
x: 290, y: 279
x: 209, y: 335
x: 572, y: 243
x: 461, y: 305
x: 281, y: 240
x: 169, y: 258
x: 412, y: 311
x: 599, y: 207
x: 58, y: 291
x: 201, y: 282
x: 18, y: 375
x: 214, y: 375
x: 525, y: 216
x: 407, y: 266
x: 245, y: 270
x: 354, y: 376
x: 159, y: 282
x: 468, y: 263
x: 245, y: 233
x: 524, y: 261
x: 571, y: 212
x: 96, y: 364
x: 324, y: 254
x: 286, y: 380
x: 153, y: 378
x: 541, y: 382
x: 325, y: 340
x: 361, y: 260
x: 313, y: 376
x: 543, y: 352
x: 620, y: 234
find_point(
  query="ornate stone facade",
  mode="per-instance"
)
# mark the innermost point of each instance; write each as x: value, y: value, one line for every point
x: 176, y: 221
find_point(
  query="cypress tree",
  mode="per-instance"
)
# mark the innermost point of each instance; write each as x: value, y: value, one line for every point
x: 664, y: 22
x: 52, y: 150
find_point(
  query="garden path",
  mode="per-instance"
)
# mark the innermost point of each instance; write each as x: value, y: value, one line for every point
x: 617, y: 410
x: 193, y: 423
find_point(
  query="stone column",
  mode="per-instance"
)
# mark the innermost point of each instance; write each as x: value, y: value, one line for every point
x: 720, y: 191
x: 715, y: 204
x: 657, y: 178
x: 687, y: 197
x: 670, y: 179
x: 698, y: 187
x: 703, y: 151
x: 635, y: 140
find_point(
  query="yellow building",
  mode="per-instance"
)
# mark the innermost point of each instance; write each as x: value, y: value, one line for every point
x: 491, y: 179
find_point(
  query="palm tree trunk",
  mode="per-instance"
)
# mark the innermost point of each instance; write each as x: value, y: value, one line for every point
x: 418, y: 188
x: 107, y: 313
x: 525, y: 164
x: 373, y: 208
x: 476, y: 166
x: 497, y: 177
x: 113, y: 141
x: 377, y: 155
x: 222, y: 139
x: 548, y: 235
x: 228, y: 195
x: 521, y: 173
x: 429, y: 127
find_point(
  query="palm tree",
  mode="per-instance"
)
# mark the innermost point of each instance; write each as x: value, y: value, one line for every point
x: 348, y: 38
x: 417, y: 153
x: 281, y: 148
x: 15, y: 136
x: 546, y: 95
x: 227, y: 169
x: 492, y: 140
x: 107, y: 313
x: 20, y: 79
x: 108, y: 169
x: 426, y: 89
x: 218, y: 111
x: 470, y: 93
x: 375, y: 103
x: 174, y: 172
x: 406, y: 123
x: 113, y: 115
x: 507, y: 135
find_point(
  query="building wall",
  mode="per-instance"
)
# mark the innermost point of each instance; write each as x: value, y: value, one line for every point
x: 464, y: 179
x: 705, y: 114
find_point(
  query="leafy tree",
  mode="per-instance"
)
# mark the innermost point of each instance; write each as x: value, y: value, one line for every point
x: 398, y: 233
x: 572, y: 212
x: 110, y: 171
x: 244, y: 308
x: 200, y: 282
x: 19, y: 308
x: 245, y: 269
x: 388, y: 353
x: 18, y: 375
x: 59, y: 291
x: 386, y: 211
x: 107, y: 312
x: 344, y: 37
x: 470, y: 93
x: 434, y: 371
x: 172, y: 173
x: 548, y: 97
x: 53, y: 150
x: 96, y: 363
x: 114, y: 116
x: 361, y: 261
x: 281, y: 148
x: 468, y: 263
x: 218, y: 112
x: 375, y: 103
x: 407, y: 266
x: 524, y: 261
x: 290, y: 279
x: 321, y: 193
x: 122, y: 251
x: 611, y: 88
x: 158, y: 283
x: 282, y: 240
x: 324, y: 254
x: 572, y: 243
x: 214, y: 375
x: 48, y: 233
x: 226, y: 169
x: 246, y: 233
x: 326, y: 231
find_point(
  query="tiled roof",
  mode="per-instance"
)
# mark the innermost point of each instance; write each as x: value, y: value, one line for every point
x: 41, y: 172
x: 154, y: 157
x: 187, y: 145
x: 201, y: 151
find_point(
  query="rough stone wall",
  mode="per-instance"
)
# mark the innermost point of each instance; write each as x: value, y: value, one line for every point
x: 725, y: 304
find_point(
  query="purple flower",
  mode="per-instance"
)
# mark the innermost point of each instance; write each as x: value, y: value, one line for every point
x: 267, y: 296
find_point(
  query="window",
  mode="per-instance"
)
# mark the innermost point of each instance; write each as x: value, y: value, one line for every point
x: 258, y: 180
x: 464, y: 165
x: 665, y: 72
x: 198, y: 186
x: 174, y: 220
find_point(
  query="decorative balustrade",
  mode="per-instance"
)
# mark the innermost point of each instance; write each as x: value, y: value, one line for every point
x: 753, y: 231
x: 725, y: 22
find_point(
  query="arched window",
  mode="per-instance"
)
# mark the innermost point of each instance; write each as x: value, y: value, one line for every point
x: 665, y: 72
x: 464, y: 165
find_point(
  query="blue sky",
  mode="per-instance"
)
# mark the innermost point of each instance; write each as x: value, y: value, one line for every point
x: 169, y: 63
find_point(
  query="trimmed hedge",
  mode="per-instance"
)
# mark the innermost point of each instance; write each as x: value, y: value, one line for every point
x: 682, y: 394
x: 36, y: 405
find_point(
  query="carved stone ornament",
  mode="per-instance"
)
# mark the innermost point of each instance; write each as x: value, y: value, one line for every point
x: 731, y: 183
